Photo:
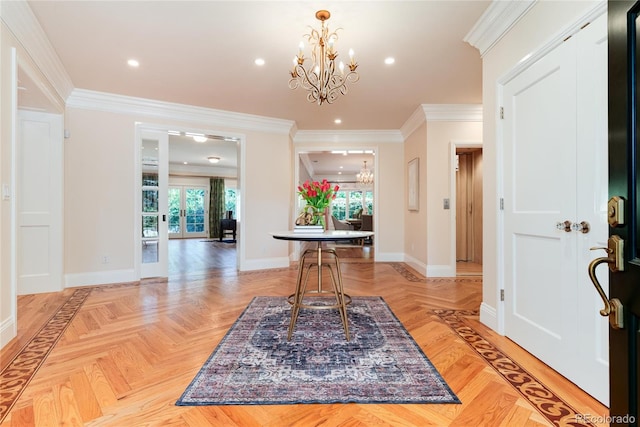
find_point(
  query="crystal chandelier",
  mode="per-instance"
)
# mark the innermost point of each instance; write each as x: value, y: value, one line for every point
x: 322, y: 80
x: 365, y: 177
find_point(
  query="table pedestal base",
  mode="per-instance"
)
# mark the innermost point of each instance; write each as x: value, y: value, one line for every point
x: 296, y: 299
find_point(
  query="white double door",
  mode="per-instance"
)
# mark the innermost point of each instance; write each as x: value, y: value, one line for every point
x: 555, y: 170
x: 188, y: 211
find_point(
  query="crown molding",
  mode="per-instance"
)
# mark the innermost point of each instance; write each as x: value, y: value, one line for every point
x: 348, y: 137
x: 413, y: 122
x: 494, y: 23
x: 441, y: 113
x: 100, y: 101
x: 23, y: 24
x: 452, y: 112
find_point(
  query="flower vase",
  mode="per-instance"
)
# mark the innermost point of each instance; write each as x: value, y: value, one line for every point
x: 318, y: 218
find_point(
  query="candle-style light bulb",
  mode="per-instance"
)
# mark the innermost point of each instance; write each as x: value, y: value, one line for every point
x: 341, y: 67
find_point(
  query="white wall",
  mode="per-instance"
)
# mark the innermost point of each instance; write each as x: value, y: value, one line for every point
x: 99, y: 189
x: 541, y: 24
x: 440, y: 228
x: 415, y: 226
x: 429, y: 231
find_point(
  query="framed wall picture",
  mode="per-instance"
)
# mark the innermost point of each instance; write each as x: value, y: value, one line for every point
x: 414, y: 182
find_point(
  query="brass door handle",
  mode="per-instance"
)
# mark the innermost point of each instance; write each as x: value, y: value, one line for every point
x: 612, y: 307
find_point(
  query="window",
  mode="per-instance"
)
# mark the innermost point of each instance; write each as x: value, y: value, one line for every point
x: 348, y: 204
x: 230, y: 198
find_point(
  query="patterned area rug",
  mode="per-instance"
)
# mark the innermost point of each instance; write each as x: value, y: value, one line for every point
x: 255, y: 364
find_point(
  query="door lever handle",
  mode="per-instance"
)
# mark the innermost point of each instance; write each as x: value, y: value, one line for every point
x: 612, y: 307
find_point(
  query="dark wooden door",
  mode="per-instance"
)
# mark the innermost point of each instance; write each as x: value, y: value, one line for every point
x: 624, y: 180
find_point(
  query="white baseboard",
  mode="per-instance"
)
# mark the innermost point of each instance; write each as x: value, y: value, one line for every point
x: 265, y: 263
x: 417, y: 265
x: 99, y: 278
x: 441, y: 271
x: 8, y: 330
x: 489, y: 317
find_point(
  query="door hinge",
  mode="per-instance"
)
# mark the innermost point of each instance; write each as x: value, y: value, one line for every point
x: 502, y: 112
x: 501, y: 294
x: 501, y: 203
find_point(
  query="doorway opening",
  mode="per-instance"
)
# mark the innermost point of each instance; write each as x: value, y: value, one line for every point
x: 185, y: 168
x: 198, y: 165
x: 467, y: 183
x: 354, y: 207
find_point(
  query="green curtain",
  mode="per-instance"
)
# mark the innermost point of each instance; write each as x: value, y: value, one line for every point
x: 216, y: 206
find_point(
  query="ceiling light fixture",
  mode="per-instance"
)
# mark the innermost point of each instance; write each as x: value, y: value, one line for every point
x: 322, y: 80
x: 199, y: 138
x: 365, y: 177
x: 213, y: 159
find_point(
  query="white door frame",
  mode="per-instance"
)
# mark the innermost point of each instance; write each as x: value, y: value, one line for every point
x: 453, y: 146
x: 137, y: 241
x: 296, y: 173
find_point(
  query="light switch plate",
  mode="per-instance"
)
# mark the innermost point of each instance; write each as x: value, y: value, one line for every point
x: 446, y: 203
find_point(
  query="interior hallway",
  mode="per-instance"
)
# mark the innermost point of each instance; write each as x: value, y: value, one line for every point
x: 122, y: 354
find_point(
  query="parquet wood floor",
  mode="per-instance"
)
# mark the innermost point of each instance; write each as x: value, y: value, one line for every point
x: 121, y: 355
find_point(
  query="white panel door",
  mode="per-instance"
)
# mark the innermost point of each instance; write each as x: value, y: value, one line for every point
x: 39, y: 202
x: 540, y: 191
x: 154, y: 190
x: 555, y: 170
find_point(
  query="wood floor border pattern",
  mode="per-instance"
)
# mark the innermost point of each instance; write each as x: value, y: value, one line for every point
x: 18, y: 373
x: 555, y: 409
x: 410, y: 276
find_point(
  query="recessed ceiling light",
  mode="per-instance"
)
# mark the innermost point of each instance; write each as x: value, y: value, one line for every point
x: 185, y: 163
x: 259, y: 61
x: 133, y: 63
x: 337, y: 121
x: 389, y: 60
x: 213, y: 159
x: 199, y: 138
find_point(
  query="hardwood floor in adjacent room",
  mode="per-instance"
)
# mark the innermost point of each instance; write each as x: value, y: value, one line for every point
x: 121, y: 355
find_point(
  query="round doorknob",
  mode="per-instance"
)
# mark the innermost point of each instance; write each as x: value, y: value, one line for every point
x: 564, y: 226
x: 582, y: 227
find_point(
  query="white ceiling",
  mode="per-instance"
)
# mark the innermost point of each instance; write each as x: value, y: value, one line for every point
x: 202, y: 53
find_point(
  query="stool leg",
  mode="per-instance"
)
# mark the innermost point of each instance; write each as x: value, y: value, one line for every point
x: 298, y: 295
x: 339, y: 292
